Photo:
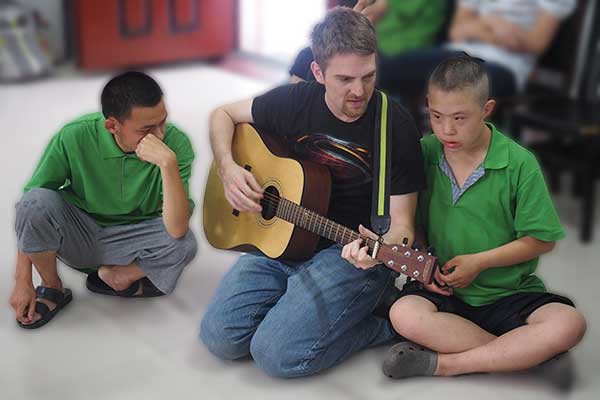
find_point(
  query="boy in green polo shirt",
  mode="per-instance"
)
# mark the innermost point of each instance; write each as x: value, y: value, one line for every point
x: 489, y: 215
x: 110, y: 193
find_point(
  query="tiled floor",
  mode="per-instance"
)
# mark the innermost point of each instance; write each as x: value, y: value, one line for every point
x: 110, y: 348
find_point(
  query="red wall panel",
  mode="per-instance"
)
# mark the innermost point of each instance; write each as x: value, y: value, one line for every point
x: 119, y: 33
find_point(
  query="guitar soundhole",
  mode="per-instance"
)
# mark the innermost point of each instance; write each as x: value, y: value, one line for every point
x: 270, y: 202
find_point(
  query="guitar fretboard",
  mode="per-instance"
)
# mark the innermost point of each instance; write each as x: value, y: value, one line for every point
x: 318, y: 224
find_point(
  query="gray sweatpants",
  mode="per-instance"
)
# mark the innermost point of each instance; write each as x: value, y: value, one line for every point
x: 46, y: 222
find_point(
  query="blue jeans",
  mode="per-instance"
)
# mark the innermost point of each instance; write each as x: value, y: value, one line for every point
x: 296, y: 318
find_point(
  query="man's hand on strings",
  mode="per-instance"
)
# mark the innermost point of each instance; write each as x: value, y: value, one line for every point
x: 357, y: 255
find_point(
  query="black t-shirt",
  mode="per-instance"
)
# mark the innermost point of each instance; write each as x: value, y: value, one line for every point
x: 298, y: 113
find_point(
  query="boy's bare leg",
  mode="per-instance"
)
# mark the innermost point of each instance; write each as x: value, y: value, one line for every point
x: 552, y: 329
x: 463, y: 347
x: 418, y: 320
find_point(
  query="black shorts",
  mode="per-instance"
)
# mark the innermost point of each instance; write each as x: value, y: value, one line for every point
x: 504, y: 315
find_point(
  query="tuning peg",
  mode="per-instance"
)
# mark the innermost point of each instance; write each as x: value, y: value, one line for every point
x: 430, y: 250
x: 416, y: 246
x: 404, y: 241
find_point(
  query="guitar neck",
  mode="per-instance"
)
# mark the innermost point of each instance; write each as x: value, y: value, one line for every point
x: 318, y: 224
x: 405, y: 260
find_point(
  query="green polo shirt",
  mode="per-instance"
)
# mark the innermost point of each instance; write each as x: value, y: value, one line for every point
x: 86, y: 166
x: 410, y: 24
x: 508, y: 201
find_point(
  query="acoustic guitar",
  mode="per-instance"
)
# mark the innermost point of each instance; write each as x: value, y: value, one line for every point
x: 296, y: 196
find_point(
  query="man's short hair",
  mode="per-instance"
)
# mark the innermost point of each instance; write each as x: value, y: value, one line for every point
x: 342, y: 31
x: 128, y: 90
x: 462, y: 73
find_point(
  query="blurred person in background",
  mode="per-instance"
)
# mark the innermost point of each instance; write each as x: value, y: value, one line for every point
x: 401, y: 25
x: 508, y: 35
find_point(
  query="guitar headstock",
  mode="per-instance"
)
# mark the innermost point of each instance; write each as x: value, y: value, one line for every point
x: 416, y: 264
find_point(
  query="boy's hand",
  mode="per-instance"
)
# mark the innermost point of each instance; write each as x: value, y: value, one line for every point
x: 438, y: 286
x: 358, y: 256
x: 461, y: 270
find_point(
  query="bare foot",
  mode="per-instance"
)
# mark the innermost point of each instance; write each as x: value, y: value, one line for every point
x: 119, y: 277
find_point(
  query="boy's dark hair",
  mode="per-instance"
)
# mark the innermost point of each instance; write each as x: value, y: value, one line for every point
x: 342, y: 31
x: 128, y: 90
x: 460, y: 73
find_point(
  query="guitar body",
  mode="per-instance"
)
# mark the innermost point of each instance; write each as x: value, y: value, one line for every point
x: 301, y: 182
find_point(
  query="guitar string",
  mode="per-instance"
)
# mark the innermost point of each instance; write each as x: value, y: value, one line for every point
x: 291, y: 209
x: 348, y: 234
x: 274, y: 200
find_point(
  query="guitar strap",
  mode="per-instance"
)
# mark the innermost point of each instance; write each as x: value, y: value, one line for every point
x: 380, y: 203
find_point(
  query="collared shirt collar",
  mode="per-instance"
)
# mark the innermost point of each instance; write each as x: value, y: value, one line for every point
x: 496, y: 157
x: 457, y: 191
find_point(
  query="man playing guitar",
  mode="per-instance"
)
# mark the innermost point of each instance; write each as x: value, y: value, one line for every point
x: 299, y: 318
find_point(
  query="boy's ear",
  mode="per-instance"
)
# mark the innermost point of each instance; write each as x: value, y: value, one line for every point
x: 317, y: 72
x: 488, y: 107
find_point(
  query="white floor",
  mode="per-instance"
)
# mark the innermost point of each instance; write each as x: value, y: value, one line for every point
x: 111, y: 348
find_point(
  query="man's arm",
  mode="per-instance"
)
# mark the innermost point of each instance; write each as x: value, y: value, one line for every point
x: 537, y: 40
x: 467, y: 25
x: 402, y: 213
x: 51, y: 173
x: 374, y: 10
x: 515, y: 38
x: 241, y: 188
x: 22, y: 297
x: 176, y: 207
